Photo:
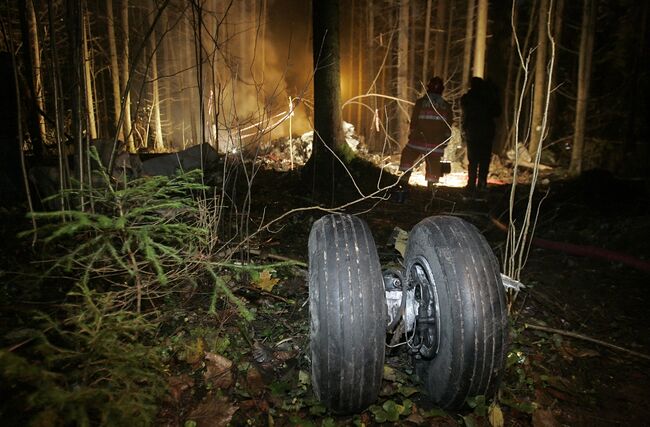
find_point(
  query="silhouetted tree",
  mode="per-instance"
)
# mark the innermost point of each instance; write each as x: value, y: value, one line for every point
x: 328, y: 134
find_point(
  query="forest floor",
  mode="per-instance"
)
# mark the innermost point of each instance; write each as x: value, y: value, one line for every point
x: 223, y: 371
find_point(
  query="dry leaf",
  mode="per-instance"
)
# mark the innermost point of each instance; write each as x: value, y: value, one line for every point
x: 544, y: 418
x: 266, y: 282
x: 283, y: 356
x: 401, y: 239
x: 213, y: 412
x: 495, y: 415
x: 580, y: 353
x: 255, y: 381
x: 178, y: 384
x: 218, y: 371
x: 254, y: 405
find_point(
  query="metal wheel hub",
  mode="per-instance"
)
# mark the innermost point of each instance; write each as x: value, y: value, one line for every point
x: 413, y: 298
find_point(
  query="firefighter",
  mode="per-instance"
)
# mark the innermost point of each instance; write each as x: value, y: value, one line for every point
x: 429, y: 133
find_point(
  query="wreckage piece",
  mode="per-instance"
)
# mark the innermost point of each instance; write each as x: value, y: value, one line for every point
x: 447, y: 302
x: 347, y: 309
x: 196, y: 157
x: 460, y: 340
x: 44, y: 179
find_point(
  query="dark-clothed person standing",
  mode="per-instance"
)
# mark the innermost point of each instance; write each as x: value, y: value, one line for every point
x: 480, y: 106
x: 429, y: 132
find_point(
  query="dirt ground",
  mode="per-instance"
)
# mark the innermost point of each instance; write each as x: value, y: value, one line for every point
x: 580, y: 336
x: 558, y: 373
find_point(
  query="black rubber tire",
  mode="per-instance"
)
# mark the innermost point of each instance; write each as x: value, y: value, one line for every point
x: 470, y: 310
x: 347, y: 306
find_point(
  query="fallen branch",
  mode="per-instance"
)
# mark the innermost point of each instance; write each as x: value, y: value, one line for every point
x: 275, y: 257
x: 586, y: 338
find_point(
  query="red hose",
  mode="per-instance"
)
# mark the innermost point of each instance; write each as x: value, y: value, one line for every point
x: 585, y: 250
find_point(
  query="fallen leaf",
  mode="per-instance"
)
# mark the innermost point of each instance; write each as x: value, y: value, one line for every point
x: 415, y: 418
x: 254, y: 381
x: 254, y: 405
x: 265, y: 281
x: 193, y: 353
x: 544, y: 418
x: 580, y: 353
x: 283, y: 356
x: 495, y: 415
x: 214, y: 411
x: 389, y: 373
x: 218, y: 371
x: 401, y: 238
x: 178, y: 384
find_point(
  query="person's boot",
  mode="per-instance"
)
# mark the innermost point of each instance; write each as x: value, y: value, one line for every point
x: 400, y: 193
x: 482, y: 185
x: 470, y: 188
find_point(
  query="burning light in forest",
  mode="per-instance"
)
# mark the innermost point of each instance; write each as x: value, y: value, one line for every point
x: 455, y: 179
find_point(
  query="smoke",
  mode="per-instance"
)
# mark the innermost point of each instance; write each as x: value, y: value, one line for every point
x: 264, y: 60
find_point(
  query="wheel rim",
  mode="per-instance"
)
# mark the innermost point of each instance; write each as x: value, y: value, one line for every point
x: 426, y: 340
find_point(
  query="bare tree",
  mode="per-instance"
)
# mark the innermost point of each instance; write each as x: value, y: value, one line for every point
x: 88, y: 77
x: 539, y: 95
x: 126, y: 92
x: 402, y: 69
x: 439, y: 39
x: 35, y: 51
x: 115, y: 69
x: 328, y: 135
x: 467, y: 50
x: 584, y: 80
x: 481, y: 38
x: 427, y: 35
x: 155, y: 101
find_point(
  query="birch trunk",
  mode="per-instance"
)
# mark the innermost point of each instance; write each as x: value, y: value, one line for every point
x: 439, y: 39
x: 88, y: 79
x: 467, y: 50
x: 155, y: 103
x: 427, y: 35
x: 402, y: 70
x: 584, y: 80
x: 125, y: 77
x: 35, y: 51
x: 539, y: 94
x: 481, y: 37
x: 450, y: 21
x: 115, y: 69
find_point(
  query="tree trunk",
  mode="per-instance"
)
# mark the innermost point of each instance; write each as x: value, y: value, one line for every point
x: 427, y: 35
x: 171, y: 68
x: 402, y: 71
x: 584, y: 79
x: 481, y: 37
x: 450, y: 25
x: 360, y: 69
x: 28, y: 64
x: 125, y: 77
x: 115, y: 69
x: 370, y: 73
x: 557, y: 16
x: 187, y: 90
x: 539, y: 95
x: 467, y: 50
x: 439, y: 39
x: 35, y: 50
x: 155, y: 103
x: 88, y: 79
x: 328, y: 135
x: 412, y: 81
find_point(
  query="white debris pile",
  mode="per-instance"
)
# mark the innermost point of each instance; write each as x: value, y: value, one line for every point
x: 282, y: 154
